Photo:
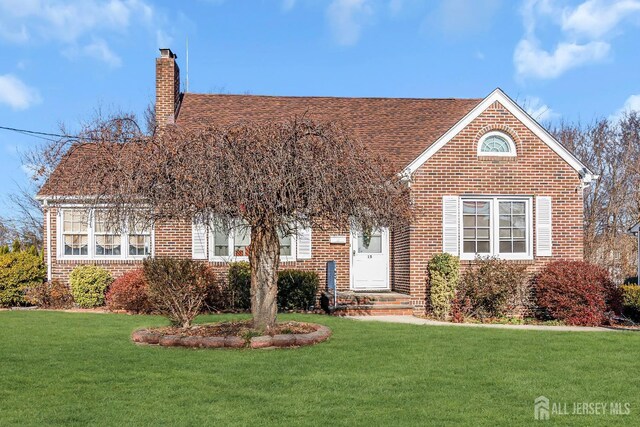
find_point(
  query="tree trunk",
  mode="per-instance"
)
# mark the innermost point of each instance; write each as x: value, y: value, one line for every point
x: 264, y: 258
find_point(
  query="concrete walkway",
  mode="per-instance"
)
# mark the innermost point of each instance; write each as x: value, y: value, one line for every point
x: 412, y: 320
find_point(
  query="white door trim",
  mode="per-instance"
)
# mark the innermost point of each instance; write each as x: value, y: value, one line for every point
x: 386, y: 256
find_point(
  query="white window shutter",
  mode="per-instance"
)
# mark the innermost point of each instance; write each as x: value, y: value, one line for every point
x: 450, y: 228
x: 543, y: 226
x: 199, y: 241
x: 303, y: 243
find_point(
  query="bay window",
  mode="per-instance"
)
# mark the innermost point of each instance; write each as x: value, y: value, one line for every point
x: 496, y: 226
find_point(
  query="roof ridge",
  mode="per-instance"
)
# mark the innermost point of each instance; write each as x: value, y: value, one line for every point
x: 328, y: 97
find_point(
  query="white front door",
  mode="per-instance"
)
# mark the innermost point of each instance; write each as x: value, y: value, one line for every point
x: 370, y: 260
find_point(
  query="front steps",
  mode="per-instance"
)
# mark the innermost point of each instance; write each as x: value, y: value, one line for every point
x: 373, y: 304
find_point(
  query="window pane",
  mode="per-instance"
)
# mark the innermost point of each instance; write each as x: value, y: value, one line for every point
x: 469, y: 220
x: 108, y: 244
x: 469, y: 207
x: 139, y: 245
x: 505, y: 246
x: 373, y: 246
x: 483, y: 208
x: 495, y: 144
x: 519, y: 246
x: 74, y: 221
x: 518, y: 208
x: 242, y: 240
x: 75, y: 244
x: 513, y: 227
x: 476, y: 233
x: 483, y: 247
x: 220, y: 242
x: 285, y: 245
x: 469, y: 247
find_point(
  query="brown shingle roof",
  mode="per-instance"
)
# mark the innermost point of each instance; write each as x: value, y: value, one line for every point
x: 397, y: 128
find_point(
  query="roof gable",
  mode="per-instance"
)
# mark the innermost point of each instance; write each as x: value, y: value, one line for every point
x: 499, y: 96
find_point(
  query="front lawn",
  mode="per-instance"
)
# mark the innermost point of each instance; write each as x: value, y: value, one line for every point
x: 72, y: 368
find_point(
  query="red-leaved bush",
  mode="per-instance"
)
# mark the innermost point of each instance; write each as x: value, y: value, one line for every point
x: 576, y: 292
x: 129, y: 292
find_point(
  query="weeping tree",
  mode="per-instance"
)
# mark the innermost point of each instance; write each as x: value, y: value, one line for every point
x: 274, y: 177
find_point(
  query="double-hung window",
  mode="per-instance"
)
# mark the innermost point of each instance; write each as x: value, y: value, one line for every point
x: 139, y: 239
x: 496, y: 226
x: 234, y: 244
x: 75, y: 232
x: 108, y: 240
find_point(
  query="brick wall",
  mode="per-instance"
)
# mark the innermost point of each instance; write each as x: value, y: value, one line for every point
x: 456, y: 170
x: 174, y: 239
x: 453, y: 170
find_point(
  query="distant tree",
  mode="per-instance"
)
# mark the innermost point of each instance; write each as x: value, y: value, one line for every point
x: 611, y: 148
x: 16, y: 246
x: 271, y: 177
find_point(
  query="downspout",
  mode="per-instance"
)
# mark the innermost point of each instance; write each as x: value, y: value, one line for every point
x: 48, y: 210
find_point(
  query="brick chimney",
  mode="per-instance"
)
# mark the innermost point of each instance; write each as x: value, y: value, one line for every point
x: 167, y: 88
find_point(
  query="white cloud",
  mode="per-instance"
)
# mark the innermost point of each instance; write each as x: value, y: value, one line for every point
x: 532, y: 61
x: 75, y: 25
x: 463, y: 17
x: 596, y: 18
x: 97, y: 49
x: 585, y: 35
x: 16, y: 94
x: 347, y: 19
x: 287, y: 5
x: 395, y: 6
x: 631, y: 104
x: 540, y: 111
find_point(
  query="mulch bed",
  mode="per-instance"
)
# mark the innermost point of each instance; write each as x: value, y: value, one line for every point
x: 238, y: 334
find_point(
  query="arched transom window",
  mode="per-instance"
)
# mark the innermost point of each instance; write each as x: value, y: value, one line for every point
x: 496, y: 144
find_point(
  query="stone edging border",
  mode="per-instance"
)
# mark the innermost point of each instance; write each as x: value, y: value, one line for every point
x: 149, y: 336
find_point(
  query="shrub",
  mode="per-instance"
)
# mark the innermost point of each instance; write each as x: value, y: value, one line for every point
x: 297, y: 289
x: 129, y: 292
x: 18, y: 271
x: 491, y: 288
x: 239, y: 278
x: 576, y: 292
x: 89, y: 284
x: 54, y: 294
x: 631, y: 301
x: 178, y: 287
x: 444, y: 273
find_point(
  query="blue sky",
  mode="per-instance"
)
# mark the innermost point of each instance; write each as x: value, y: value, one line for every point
x: 570, y: 60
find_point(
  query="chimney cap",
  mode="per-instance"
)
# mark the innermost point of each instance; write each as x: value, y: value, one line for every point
x: 167, y: 53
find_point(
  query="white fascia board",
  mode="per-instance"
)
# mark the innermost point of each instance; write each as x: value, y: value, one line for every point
x: 498, y: 95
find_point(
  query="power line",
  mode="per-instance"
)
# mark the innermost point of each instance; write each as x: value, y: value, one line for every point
x: 48, y: 136
x: 37, y: 133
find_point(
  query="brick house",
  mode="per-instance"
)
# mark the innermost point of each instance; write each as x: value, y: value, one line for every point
x: 486, y: 179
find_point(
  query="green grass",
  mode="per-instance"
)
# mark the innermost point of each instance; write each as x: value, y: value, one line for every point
x: 71, y: 368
